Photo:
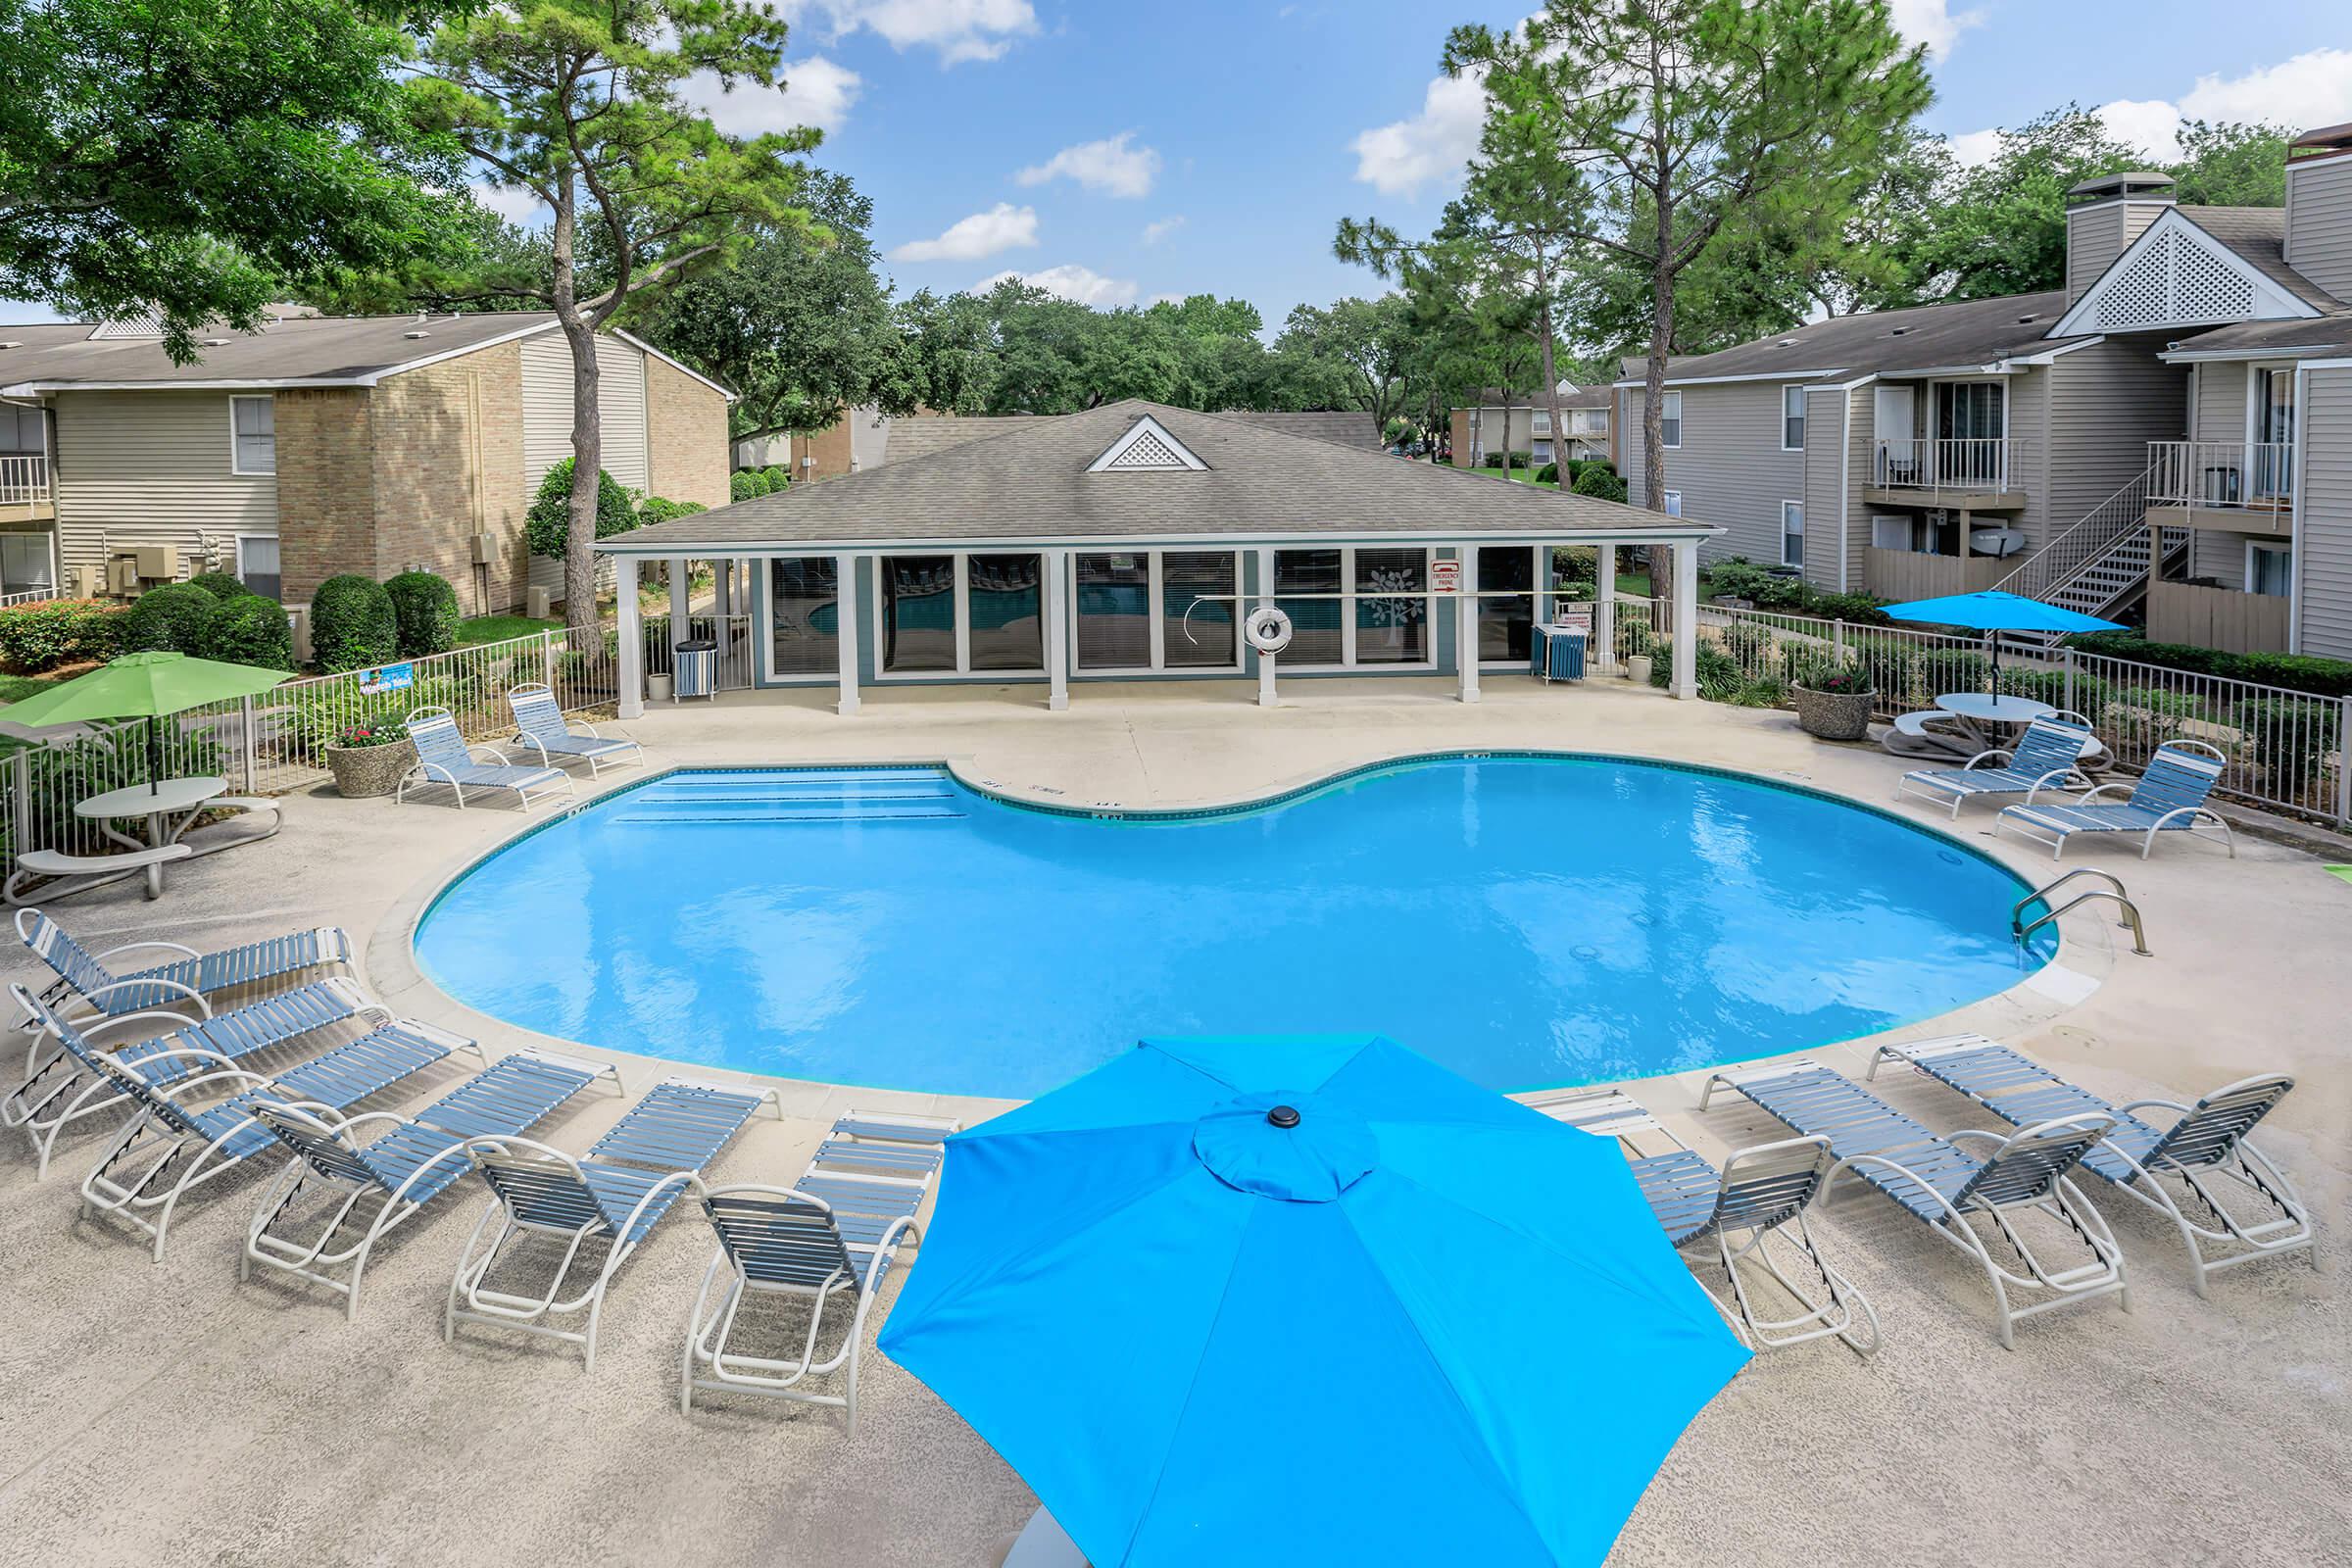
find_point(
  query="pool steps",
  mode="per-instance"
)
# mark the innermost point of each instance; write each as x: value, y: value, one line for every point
x: 815, y: 795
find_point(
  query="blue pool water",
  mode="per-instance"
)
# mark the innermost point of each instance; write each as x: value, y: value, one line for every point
x: 1527, y: 921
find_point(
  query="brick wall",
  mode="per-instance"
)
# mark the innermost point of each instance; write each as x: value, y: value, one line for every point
x: 325, y: 487
x: 448, y: 466
x: 686, y: 436
x: 832, y: 448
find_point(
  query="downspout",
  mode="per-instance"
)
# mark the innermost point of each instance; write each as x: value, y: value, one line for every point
x: 1846, y: 489
x: 2294, y: 503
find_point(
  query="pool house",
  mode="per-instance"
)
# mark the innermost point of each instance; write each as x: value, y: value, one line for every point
x: 1140, y: 542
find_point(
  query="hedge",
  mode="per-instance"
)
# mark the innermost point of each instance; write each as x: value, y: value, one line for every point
x: 547, y: 527
x: 1597, y: 481
x: 660, y: 509
x: 38, y: 637
x: 425, y: 613
x: 2298, y: 672
x: 776, y: 477
x: 220, y: 585
x: 171, y: 618
x: 352, y: 626
x: 249, y: 629
x: 745, y: 484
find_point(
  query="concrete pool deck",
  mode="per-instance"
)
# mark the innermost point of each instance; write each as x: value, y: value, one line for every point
x: 164, y: 1412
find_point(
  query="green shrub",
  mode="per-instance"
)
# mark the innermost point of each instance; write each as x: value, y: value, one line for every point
x: 250, y: 630
x: 2299, y: 672
x: 776, y: 477
x: 220, y: 585
x: 1549, y: 473
x: 2288, y: 736
x: 1600, y: 483
x: 740, y: 485
x: 660, y: 509
x: 352, y: 626
x: 1818, y: 672
x: 425, y: 611
x: 171, y: 618
x: 39, y: 637
x: 1748, y: 641
x: 547, y: 527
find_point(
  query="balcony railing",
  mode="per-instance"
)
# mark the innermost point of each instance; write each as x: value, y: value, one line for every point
x: 23, y: 479
x: 2228, y: 475
x: 1973, y: 463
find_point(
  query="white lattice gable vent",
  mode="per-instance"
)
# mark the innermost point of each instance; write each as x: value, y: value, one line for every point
x: 1146, y: 448
x: 2176, y: 275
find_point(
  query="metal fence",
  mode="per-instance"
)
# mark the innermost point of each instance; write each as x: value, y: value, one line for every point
x: 732, y: 634
x: 2284, y: 747
x: 276, y: 742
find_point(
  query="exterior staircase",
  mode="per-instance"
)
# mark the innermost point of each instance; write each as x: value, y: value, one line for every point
x: 2100, y: 565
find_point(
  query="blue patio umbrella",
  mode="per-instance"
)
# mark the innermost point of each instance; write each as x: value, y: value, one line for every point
x: 1305, y: 1300
x: 1995, y: 612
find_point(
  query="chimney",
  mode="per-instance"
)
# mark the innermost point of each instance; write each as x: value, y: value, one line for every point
x: 2104, y: 215
x: 2319, y: 206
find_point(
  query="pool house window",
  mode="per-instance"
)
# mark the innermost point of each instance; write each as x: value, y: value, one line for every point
x: 960, y: 614
x: 1155, y: 609
x: 1354, y: 608
x: 803, y: 627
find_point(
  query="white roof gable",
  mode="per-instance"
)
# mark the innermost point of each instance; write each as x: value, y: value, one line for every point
x: 1147, y: 446
x: 2176, y: 275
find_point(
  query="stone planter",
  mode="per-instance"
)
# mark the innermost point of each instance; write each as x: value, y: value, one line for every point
x: 1833, y: 715
x: 656, y: 688
x: 1637, y: 669
x: 362, y: 771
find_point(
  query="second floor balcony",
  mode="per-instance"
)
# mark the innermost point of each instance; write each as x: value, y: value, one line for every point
x: 2252, y: 484
x: 1970, y: 469
x: 24, y: 481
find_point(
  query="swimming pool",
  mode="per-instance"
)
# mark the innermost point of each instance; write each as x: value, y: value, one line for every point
x: 1528, y: 921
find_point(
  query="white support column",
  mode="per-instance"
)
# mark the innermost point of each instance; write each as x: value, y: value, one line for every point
x: 632, y: 640
x: 845, y: 617
x: 722, y: 587
x: 1465, y: 625
x: 681, y: 601
x: 1601, y: 657
x: 1686, y: 618
x: 1055, y: 606
x: 1265, y: 599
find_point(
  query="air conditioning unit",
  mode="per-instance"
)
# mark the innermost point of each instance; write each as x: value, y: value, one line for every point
x: 485, y: 549
x: 86, y: 582
x: 123, y: 575
x: 539, y: 603
x: 156, y: 563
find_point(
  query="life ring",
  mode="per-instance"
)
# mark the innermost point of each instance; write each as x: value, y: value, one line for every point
x: 1268, y: 629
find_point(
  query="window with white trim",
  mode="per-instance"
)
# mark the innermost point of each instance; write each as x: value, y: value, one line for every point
x: 256, y: 564
x: 1670, y: 419
x: 253, y: 435
x: 803, y: 616
x: 1153, y: 610
x: 1353, y: 608
x: 1674, y: 502
x: 1792, y: 418
x: 960, y: 614
x: 2270, y: 569
x: 1792, y: 533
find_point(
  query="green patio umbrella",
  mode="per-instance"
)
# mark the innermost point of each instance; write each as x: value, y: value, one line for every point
x: 148, y: 686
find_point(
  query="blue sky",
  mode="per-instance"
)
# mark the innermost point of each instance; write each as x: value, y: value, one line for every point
x: 1119, y: 153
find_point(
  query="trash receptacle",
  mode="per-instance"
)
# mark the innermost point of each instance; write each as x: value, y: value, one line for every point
x: 693, y: 667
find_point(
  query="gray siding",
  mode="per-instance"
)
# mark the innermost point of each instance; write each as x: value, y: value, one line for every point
x: 1730, y: 469
x: 2218, y: 412
x: 152, y: 469
x: 2323, y: 565
x: 1836, y: 474
x: 2318, y: 222
x: 2094, y: 238
x: 2107, y: 402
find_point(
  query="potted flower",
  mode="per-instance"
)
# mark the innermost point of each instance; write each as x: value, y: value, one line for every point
x: 1834, y: 701
x: 370, y: 758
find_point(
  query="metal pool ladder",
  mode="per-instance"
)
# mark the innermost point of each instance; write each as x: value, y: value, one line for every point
x: 2115, y: 891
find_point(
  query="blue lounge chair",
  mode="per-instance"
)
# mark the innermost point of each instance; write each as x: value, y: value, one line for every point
x: 1761, y: 1193
x: 177, y: 1143
x: 614, y: 1194
x: 2049, y: 756
x: 66, y: 1088
x: 443, y: 758
x: 2169, y: 797
x: 415, y: 1160
x: 2209, y: 1144
x: 183, y: 983
x: 540, y: 726
x: 838, y: 1228
x: 1946, y: 1188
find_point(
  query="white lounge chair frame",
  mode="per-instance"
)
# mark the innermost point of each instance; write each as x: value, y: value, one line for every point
x: 1926, y: 783
x: 2288, y: 1230
x: 596, y: 760
x: 528, y: 791
x: 2200, y: 818
x: 1762, y: 1193
x: 2053, y: 1197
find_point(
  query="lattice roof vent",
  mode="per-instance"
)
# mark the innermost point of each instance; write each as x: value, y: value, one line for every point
x: 149, y: 325
x: 2175, y: 280
x: 1147, y: 446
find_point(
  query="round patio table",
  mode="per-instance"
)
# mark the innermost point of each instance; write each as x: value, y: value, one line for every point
x: 185, y: 796
x: 1976, y: 708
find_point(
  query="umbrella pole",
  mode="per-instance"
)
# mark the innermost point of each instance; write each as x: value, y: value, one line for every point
x: 155, y: 752
x: 1994, y: 639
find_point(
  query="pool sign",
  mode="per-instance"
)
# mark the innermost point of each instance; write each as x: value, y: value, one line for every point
x: 390, y: 678
x: 1446, y: 576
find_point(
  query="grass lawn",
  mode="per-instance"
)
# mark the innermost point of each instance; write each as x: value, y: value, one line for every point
x: 500, y: 628
x: 1527, y: 476
x: 15, y: 687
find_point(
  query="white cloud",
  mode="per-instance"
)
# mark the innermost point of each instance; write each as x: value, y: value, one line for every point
x: 1975, y: 147
x: 1070, y: 281
x: 1400, y: 157
x: 1154, y: 233
x: 1932, y: 23
x: 817, y: 92
x: 959, y: 30
x: 1001, y: 227
x: 1110, y: 165
x: 2147, y: 125
x: 509, y: 202
x: 2307, y: 91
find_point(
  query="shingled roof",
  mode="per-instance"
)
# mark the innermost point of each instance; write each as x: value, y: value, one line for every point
x: 1924, y: 337
x: 1033, y: 484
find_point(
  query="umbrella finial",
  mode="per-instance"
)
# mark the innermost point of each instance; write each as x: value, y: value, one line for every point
x: 1284, y: 1116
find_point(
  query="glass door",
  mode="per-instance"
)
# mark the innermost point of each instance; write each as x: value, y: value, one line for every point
x: 1970, y: 424
x: 2271, y: 467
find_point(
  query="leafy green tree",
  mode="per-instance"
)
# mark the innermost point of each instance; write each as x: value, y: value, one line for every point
x: 1352, y: 355
x: 201, y: 160
x: 1677, y: 114
x: 581, y: 103
x: 2000, y: 228
x: 547, y: 527
x: 796, y: 323
x: 2229, y: 164
x: 947, y: 353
